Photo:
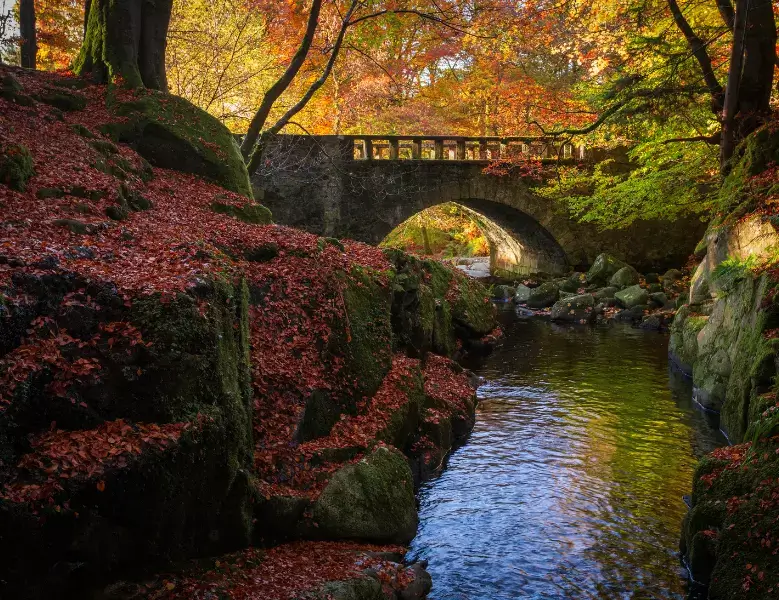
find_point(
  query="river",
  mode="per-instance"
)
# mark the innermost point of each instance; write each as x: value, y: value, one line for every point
x: 571, y: 485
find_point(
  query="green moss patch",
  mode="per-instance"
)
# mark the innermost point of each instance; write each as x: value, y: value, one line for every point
x: 256, y: 214
x: 172, y: 133
x: 16, y: 166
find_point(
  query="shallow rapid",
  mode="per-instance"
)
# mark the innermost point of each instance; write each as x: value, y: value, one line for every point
x: 571, y: 485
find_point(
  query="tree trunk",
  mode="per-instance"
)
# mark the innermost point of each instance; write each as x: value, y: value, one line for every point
x: 751, y: 75
x: 126, y: 40
x: 27, y: 32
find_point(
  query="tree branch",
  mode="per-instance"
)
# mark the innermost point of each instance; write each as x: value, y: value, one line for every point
x: 278, y: 88
x: 700, y: 53
x: 713, y: 140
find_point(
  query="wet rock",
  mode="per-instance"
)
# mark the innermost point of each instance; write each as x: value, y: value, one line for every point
x: 607, y: 292
x: 503, y: 293
x: 625, y: 277
x: 578, y: 309
x: 652, y: 323
x: 522, y: 294
x: 603, y: 268
x: 632, y: 296
x: 574, y: 283
x: 658, y: 299
x: 544, y: 295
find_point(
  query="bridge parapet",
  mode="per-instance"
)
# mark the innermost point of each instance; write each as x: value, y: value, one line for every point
x: 459, y: 148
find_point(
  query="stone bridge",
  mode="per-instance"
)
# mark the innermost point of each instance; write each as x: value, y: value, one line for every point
x: 362, y: 187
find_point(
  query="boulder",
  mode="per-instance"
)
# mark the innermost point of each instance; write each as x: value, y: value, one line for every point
x: 522, y: 294
x: 632, y: 296
x: 603, y: 268
x: 371, y: 500
x: 172, y: 133
x: 503, y: 292
x: 625, y: 277
x: 607, y: 292
x: 573, y: 283
x: 659, y: 299
x: 652, y: 278
x: 652, y: 323
x: 577, y: 309
x: 544, y: 295
x: 564, y: 295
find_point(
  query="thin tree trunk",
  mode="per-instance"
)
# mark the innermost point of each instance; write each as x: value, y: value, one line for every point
x: 256, y: 156
x: 29, y: 48
x: 700, y: 53
x: 278, y: 88
x: 725, y: 8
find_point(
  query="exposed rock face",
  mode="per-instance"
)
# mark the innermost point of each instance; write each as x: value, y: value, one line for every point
x: 522, y: 294
x: 720, y: 338
x: 726, y: 337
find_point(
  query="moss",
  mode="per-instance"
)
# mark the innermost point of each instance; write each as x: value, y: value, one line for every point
x: 12, y: 90
x: 44, y: 193
x: 16, y: 166
x: 105, y: 147
x: 117, y: 213
x: 172, y: 133
x: 363, y: 588
x: 371, y: 500
x: 82, y: 131
x: 62, y: 99
x: 738, y: 502
x: 471, y: 306
x: 255, y: 214
x: 404, y: 421
x: 367, y: 344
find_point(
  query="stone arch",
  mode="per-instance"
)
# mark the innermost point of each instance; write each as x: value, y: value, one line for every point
x: 518, y: 244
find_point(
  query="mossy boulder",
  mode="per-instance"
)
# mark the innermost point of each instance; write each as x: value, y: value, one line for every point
x: 544, y: 295
x: 604, y: 267
x: 625, y: 277
x: 256, y: 214
x: 16, y: 166
x: 604, y: 293
x: 503, y: 293
x: 62, y: 99
x: 574, y: 283
x: 361, y: 588
x: 371, y: 500
x: 522, y: 294
x: 172, y: 133
x: 632, y: 296
x: 577, y: 309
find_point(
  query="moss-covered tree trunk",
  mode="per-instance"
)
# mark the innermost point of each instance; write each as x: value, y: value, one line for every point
x: 126, y: 39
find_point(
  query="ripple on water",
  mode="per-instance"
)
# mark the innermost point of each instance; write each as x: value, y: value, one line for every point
x: 571, y: 484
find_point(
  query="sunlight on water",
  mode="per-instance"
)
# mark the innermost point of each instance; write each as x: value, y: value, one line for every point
x: 571, y: 484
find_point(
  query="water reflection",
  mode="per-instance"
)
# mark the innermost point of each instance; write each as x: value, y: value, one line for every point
x: 571, y: 485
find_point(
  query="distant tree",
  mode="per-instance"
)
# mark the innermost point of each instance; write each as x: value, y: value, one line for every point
x: 29, y: 47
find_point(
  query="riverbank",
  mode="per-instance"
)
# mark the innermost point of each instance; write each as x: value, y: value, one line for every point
x: 181, y: 379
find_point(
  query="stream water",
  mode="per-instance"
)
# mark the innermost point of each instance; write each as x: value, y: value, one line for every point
x: 571, y: 485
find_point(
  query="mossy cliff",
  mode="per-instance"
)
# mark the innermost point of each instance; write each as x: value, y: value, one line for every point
x: 725, y: 338
x: 180, y: 379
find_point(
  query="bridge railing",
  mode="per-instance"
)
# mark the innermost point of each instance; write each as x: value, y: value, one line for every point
x: 383, y: 147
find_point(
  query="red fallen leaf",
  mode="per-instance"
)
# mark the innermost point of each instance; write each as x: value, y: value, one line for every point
x: 101, y: 486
